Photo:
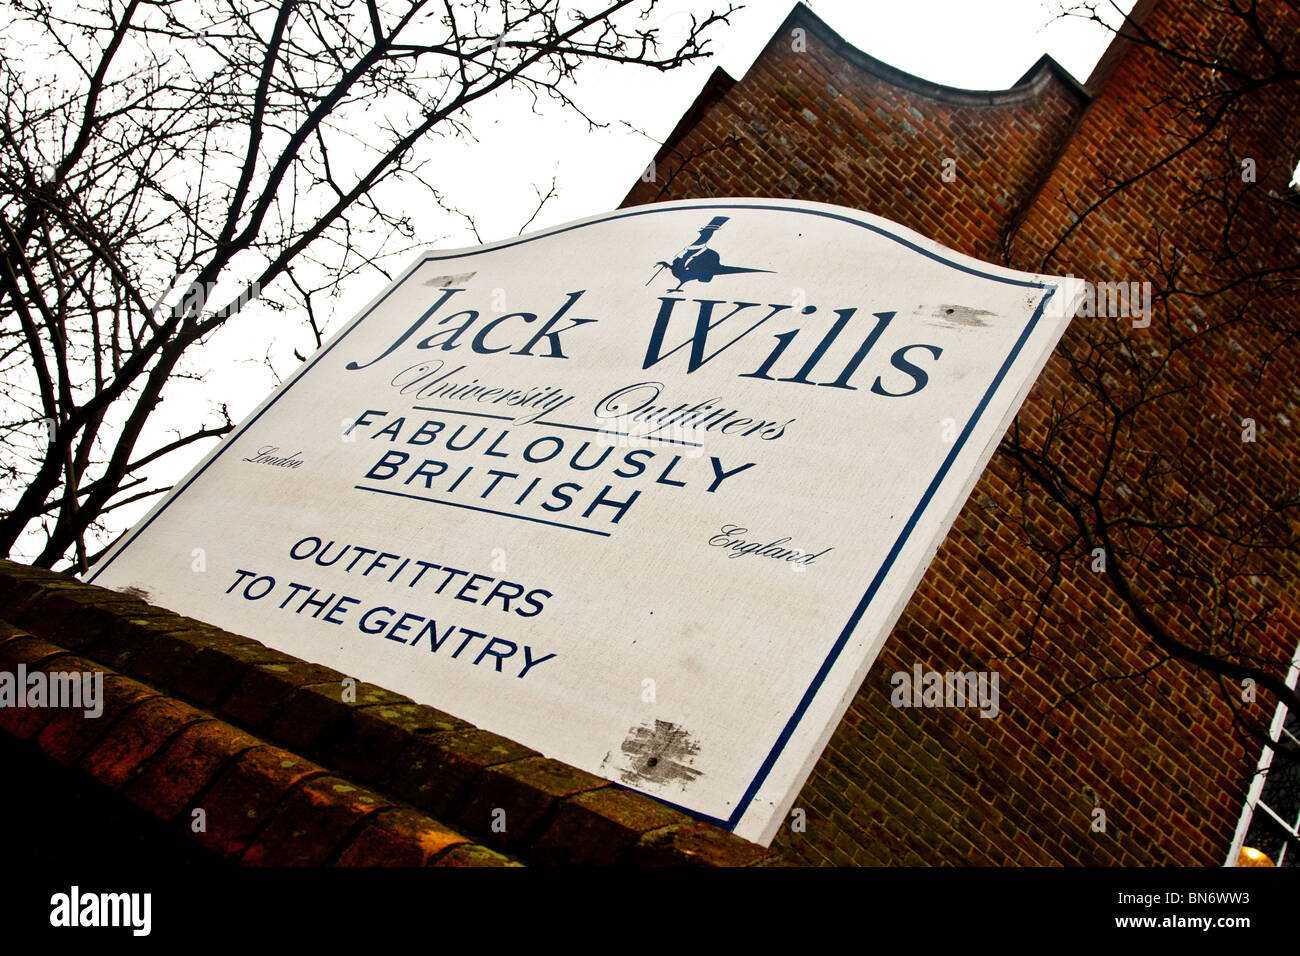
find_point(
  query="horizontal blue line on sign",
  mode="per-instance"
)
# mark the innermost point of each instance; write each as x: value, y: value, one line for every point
x: 457, y: 411
x: 581, y: 428
x: 504, y: 514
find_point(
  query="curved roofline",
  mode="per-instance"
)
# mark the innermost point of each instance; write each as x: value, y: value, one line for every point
x: 1119, y: 44
x: 1028, y: 87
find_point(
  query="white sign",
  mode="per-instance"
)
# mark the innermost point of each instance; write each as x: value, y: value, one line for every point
x: 645, y: 492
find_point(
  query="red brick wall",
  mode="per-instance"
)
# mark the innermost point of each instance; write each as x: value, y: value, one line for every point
x: 1157, y: 753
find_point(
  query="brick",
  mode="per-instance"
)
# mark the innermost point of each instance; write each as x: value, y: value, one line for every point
x: 118, y: 756
x: 186, y: 765
x: 76, y: 614
x: 313, y: 715
x: 434, y: 771
x: 525, y: 790
x: 244, y: 796
x: 370, y: 742
x: 697, y: 844
x: 16, y: 571
x: 18, y: 593
x: 399, y: 837
x: 308, y: 716
x: 311, y: 823
x: 90, y: 620
x: 167, y: 656
x: 70, y: 734
x: 27, y: 650
x: 599, y: 827
x: 25, y: 722
x: 264, y: 688
x: 126, y: 636
x: 471, y: 854
x: 215, y: 672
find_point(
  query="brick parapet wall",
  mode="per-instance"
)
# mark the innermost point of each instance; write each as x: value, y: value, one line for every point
x: 291, y: 770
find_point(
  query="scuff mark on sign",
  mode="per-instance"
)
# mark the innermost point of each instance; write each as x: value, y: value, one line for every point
x: 134, y: 592
x: 658, y: 754
x: 955, y: 315
x: 450, y: 280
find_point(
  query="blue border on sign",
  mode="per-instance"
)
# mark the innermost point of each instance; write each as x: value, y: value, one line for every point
x: 841, y: 642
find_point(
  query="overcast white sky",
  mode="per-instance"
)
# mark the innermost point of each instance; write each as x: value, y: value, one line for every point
x: 986, y: 45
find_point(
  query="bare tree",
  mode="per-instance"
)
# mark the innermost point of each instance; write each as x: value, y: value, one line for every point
x: 1162, y: 463
x: 163, y: 163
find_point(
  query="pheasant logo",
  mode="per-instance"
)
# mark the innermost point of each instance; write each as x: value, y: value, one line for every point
x: 697, y: 262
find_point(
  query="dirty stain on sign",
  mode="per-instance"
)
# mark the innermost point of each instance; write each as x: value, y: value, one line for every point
x: 952, y: 316
x: 661, y: 753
